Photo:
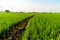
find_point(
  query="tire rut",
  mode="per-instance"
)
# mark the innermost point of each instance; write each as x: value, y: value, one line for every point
x: 16, y: 32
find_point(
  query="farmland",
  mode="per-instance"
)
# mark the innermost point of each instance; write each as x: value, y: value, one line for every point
x: 6, y: 20
x: 43, y: 27
x: 39, y: 27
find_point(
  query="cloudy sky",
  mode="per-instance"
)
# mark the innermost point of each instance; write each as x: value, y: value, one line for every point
x: 30, y: 5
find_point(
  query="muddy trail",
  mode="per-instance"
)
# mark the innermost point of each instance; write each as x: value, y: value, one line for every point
x: 16, y: 31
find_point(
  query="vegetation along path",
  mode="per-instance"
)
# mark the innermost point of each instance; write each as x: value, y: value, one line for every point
x: 16, y: 32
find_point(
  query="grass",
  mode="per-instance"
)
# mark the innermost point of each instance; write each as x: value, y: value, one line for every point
x: 43, y: 27
x: 8, y: 19
x: 40, y: 27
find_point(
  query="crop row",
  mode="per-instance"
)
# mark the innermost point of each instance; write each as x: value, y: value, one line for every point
x: 43, y: 27
x: 8, y: 19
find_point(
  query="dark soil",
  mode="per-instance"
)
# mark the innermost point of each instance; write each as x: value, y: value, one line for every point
x: 16, y: 31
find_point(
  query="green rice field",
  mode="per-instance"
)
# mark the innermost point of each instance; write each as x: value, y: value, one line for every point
x: 40, y: 27
x: 8, y: 19
x: 43, y: 27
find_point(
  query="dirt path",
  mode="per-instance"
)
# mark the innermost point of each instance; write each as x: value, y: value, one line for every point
x: 16, y: 32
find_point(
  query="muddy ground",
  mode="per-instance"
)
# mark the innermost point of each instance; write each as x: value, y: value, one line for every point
x: 16, y: 32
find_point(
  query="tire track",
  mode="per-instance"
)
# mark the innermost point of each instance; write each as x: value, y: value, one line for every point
x: 17, y: 31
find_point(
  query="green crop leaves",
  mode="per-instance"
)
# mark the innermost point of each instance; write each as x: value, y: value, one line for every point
x: 45, y: 27
x: 7, y: 20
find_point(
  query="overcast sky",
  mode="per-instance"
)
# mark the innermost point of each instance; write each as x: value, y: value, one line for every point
x: 31, y: 5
